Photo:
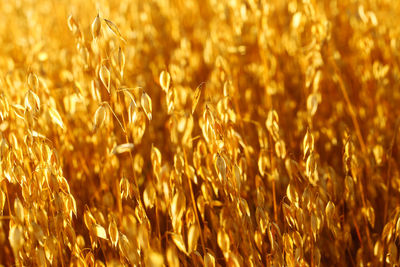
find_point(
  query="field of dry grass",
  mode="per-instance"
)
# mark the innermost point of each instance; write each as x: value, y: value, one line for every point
x: 199, y: 133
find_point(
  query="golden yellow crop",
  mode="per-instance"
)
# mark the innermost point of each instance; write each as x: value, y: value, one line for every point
x: 199, y: 133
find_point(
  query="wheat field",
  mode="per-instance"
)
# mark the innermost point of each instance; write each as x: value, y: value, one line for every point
x: 199, y: 133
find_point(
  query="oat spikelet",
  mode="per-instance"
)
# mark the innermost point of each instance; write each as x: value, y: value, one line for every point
x: 55, y: 116
x: 145, y: 101
x: 96, y: 27
x: 165, y: 80
x: 105, y: 77
x: 196, y: 97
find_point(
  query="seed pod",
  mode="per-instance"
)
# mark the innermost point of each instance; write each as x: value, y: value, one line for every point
x: 2, y: 201
x: 209, y: 260
x: 171, y: 100
x: 193, y: 237
x: 16, y: 238
x: 379, y: 250
x: 99, y: 117
x: 280, y: 149
x: 178, y: 240
x: 94, y: 89
x: 392, y: 255
x: 349, y: 187
x: 124, y: 188
x: 314, y: 225
x: 223, y: 240
x: 145, y: 101
x: 19, y: 210
x: 55, y: 116
x: 317, y: 257
x: 155, y: 259
x: 312, y: 104
x: 114, y: 29
x: 32, y: 101
x: 149, y: 196
x: 99, y: 231
x: 369, y: 214
x: 263, y: 162
x: 221, y: 167
x: 33, y: 81
x: 132, y: 112
x: 72, y: 25
x: 311, y: 165
x: 113, y: 233
x: 40, y: 257
x: 272, y: 124
x: 329, y: 210
x: 292, y: 194
x: 308, y: 143
x: 38, y: 233
x: 155, y: 156
x: 179, y: 163
x: 172, y: 257
x: 96, y: 27
x: 258, y: 239
x: 196, y: 97
x: 122, y: 148
x: 237, y: 177
x: 178, y: 205
x: 165, y: 80
x: 105, y: 77
x: 378, y: 154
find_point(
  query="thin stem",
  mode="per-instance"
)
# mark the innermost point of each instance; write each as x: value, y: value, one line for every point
x: 350, y: 107
x: 115, y: 115
x: 388, y: 176
x: 132, y: 163
x: 273, y: 181
x: 194, y: 207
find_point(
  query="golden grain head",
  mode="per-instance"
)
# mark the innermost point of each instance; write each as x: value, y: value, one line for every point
x: 205, y: 133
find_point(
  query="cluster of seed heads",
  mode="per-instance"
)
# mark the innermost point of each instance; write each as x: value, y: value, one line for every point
x: 200, y: 133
